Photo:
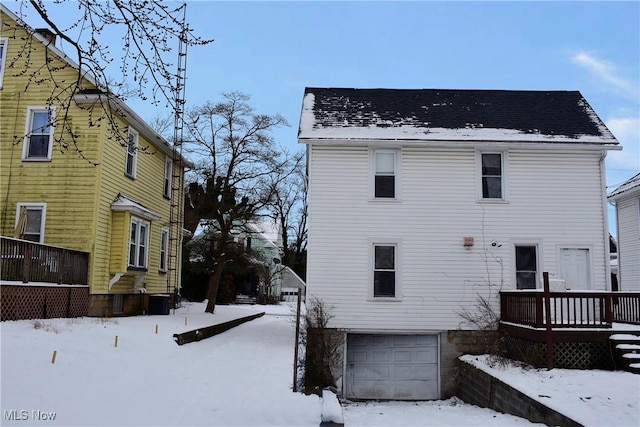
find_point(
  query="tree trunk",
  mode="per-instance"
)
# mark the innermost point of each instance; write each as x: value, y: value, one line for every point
x: 214, y: 284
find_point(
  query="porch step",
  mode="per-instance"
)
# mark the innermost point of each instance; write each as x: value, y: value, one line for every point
x: 626, y: 352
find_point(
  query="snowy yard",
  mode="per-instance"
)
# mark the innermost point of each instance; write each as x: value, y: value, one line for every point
x: 239, y: 378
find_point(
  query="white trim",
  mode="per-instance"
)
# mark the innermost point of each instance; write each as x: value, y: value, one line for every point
x: 397, y: 154
x: 504, y: 165
x: 167, y: 181
x: 539, y: 258
x: 4, y: 42
x: 31, y: 110
x: 138, y: 244
x: 164, y: 250
x: 133, y: 154
x: 32, y: 205
x: 125, y: 204
x: 372, y: 243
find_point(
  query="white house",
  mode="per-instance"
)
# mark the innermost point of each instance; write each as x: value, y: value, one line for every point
x: 421, y: 201
x: 627, y: 201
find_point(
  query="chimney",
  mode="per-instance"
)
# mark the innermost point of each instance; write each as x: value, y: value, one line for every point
x: 47, y: 34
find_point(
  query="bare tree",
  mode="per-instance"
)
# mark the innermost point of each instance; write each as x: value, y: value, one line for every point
x: 148, y: 31
x: 288, y: 208
x: 235, y: 159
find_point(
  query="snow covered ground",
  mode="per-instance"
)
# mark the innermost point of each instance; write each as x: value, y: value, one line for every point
x: 242, y: 377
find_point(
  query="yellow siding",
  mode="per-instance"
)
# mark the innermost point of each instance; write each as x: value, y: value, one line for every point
x: 78, y: 193
x: 120, y: 229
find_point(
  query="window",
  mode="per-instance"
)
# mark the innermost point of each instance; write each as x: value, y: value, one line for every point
x: 38, y: 140
x: 168, y: 167
x: 138, y: 242
x: 132, y: 153
x: 384, y: 174
x: 30, y: 219
x: 384, y: 271
x: 526, y: 267
x: 164, y: 249
x: 492, y: 182
x: 3, y: 55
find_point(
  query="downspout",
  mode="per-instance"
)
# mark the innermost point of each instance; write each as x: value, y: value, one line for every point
x: 605, y: 216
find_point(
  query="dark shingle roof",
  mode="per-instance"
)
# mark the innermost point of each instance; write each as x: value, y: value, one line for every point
x: 451, y: 114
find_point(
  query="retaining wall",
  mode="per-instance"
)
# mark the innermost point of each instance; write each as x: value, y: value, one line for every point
x: 476, y: 387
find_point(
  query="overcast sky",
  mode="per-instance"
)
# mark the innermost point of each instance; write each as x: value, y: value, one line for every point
x: 273, y: 50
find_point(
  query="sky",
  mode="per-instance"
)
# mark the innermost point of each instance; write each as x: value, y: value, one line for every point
x: 242, y: 377
x: 273, y: 50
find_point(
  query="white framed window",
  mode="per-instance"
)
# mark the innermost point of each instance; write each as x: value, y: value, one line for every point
x: 385, y: 176
x: 138, y: 243
x: 3, y: 57
x: 38, y: 139
x: 132, y: 153
x: 385, y: 281
x: 30, y: 219
x: 168, y: 169
x: 164, y: 249
x: 527, y: 271
x: 491, y: 167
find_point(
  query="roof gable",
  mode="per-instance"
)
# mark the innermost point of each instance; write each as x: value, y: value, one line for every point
x: 627, y: 188
x: 435, y: 114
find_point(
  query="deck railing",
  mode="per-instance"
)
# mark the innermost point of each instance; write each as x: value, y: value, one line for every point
x: 25, y: 261
x: 570, y: 309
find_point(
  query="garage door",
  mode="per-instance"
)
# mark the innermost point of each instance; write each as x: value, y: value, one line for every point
x: 399, y: 367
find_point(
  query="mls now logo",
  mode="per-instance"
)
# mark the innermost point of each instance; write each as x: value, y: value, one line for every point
x: 23, y: 415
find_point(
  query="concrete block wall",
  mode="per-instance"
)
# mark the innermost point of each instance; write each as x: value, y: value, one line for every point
x: 476, y: 387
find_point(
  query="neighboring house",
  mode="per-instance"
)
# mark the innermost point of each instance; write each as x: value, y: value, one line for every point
x: 262, y: 246
x: 422, y: 202
x: 627, y: 201
x: 121, y: 203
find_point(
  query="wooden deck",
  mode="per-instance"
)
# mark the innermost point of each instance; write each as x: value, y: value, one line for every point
x: 578, y: 322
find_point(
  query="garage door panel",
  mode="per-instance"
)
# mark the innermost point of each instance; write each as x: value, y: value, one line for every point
x: 375, y: 372
x: 392, y: 367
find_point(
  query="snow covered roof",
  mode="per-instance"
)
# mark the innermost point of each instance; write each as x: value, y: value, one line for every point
x: 451, y: 115
x: 629, y: 187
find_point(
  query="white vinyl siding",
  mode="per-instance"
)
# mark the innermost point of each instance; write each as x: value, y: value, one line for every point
x: 38, y: 139
x: 628, y: 214
x: 555, y: 200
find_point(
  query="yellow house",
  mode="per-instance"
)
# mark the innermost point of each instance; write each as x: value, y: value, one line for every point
x: 86, y: 173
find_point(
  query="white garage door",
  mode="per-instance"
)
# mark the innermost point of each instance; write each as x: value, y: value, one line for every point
x: 398, y: 367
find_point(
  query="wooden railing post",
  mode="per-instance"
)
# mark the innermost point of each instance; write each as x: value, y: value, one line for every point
x: 26, y: 263
x: 547, y: 308
x: 61, y: 256
x: 608, y: 309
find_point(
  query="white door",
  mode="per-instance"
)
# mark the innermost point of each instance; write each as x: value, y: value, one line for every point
x: 397, y: 367
x: 575, y: 268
